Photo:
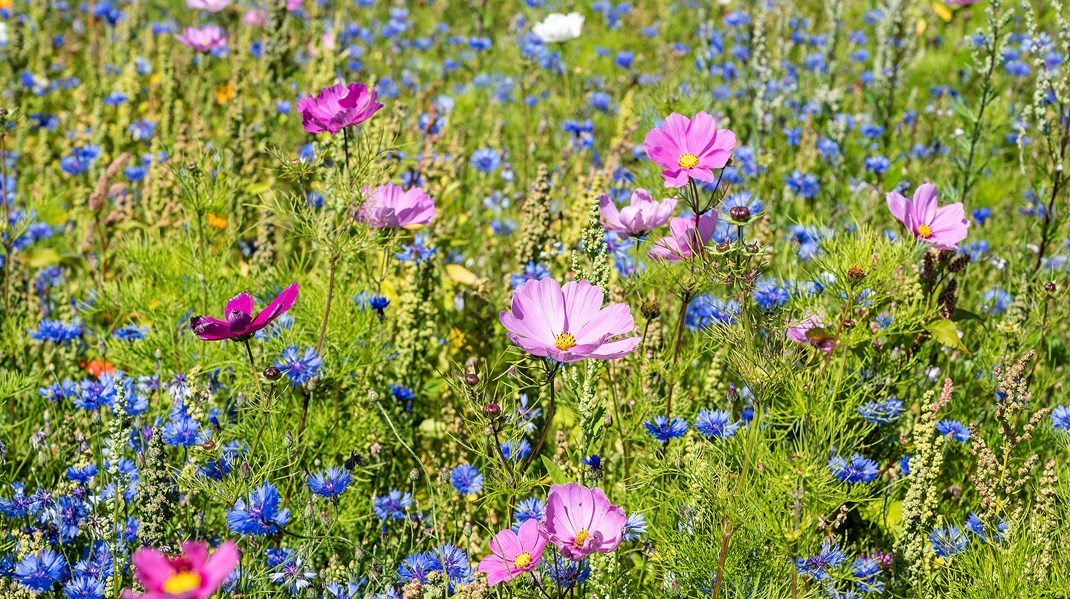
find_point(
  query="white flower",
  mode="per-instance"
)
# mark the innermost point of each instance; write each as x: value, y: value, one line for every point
x: 3, y: 33
x: 557, y: 27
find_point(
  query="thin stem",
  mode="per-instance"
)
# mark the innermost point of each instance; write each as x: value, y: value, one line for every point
x: 685, y: 301
x: 546, y: 424
x: 345, y: 147
x: 327, y: 309
x: 263, y: 398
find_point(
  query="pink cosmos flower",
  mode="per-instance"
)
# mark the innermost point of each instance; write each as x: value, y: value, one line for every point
x: 204, y: 39
x: 639, y: 217
x: 801, y: 333
x: 240, y: 323
x: 192, y: 575
x: 568, y: 323
x: 513, y: 553
x: 681, y: 241
x: 689, y: 148
x: 254, y: 17
x: 292, y: 5
x: 337, y: 107
x: 581, y: 521
x: 940, y: 227
x: 209, y: 5
x: 391, y: 207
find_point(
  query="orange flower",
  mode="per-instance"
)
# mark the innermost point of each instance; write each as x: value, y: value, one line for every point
x: 97, y: 366
x: 223, y: 93
x: 217, y: 222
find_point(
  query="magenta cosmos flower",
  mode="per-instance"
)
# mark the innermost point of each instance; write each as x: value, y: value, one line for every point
x: 581, y: 521
x: 209, y: 5
x: 337, y: 107
x: 513, y: 553
x: 568, y: 323
x: 639, y: 217
x: 391, y: 207
x: 240, y: 323
x: 941, y: 227
x: 681, y: 241
x: 192, y: 575
x: 689, y: 148
x: 204, y: 39
x: 807, y: 333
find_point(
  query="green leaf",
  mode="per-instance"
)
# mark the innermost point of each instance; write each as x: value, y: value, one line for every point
x: 959, y: 315
x: 944, y: 331
x: 557, y: 475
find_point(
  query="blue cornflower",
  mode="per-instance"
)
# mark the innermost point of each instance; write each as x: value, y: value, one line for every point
x: 817, y: 566
x: 351, y: 590
x: 116, y: 99
x: 948, y: 541
x: 881, y: 412
x: 300, y: 369
x: 417, y: 252
x: 904, y: 465
x: 84, y: 587
x: 531, y: 508
x: 451, y: 561
x: 291, y: 577
x: 706, y: 310
x: 259, y: 513
x: 516, y: 451
x: 96, y: 394
x: 770, y: 293
x: 974, y: 525
x: 59, y: 390
x: 803, y: 185
x: 130, y: 332
x: 466, y: 479
x: 533, y: 271
x: 634, y: 527
x: 392, y: 505
x: 878, y: 164
x: 57, y: 331
x: 868, y: 572
x: 716, y: 424
x: 19, y: 505
x: 416, y: 566
x: 38, y: 571
x: 486, y: 160
x: 82, y: 474
x: 566, y: 572
x: 404, y: 395
x: 183, y: 431
x: 982, y: 214
x: 331, y: 482
x: 1060, y: 418
x: 858, y: 469
x: 744, y: 199
x: 663, y: 430
x: 959, y: 431
x: 995, y: 301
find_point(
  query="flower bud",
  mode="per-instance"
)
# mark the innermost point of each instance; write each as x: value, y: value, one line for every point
x: 492, y: 410
x: 722, y: 247
x: 855, y: 274
x: 471, y: 379
x: 272, y: 373
x: 414, y: 475
x: 650, y: 309
x: 739, y: 213
x: 1049, y: 287
x: 209, y: 445
x: 848, y: 323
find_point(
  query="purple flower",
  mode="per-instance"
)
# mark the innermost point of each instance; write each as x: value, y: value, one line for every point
x: 337, y: 107
x: 240, y: 323
x: 941, y: 227
x: 639, y: 217
x: 204, y: 39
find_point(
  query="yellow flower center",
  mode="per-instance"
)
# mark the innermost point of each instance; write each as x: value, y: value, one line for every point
x: 581, y: 536
x: 182, y: 582
x: 522, y: 561
x: 565, y: 341
x: 688, y: 161
x: 925, y: 231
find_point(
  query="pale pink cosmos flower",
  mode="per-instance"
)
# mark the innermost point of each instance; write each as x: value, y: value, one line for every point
x: 254, y: 17
x: 639, y: 217
x: 568, y: 323
x: 292, y: 5
x: 681, y: 241
x: 581, y: 521
x: 391, y: 207
x: 192, y: 575
x: 811, y: 332
x: 689, y: 148
x: 513, y: 553
x: 337, y: 107
x: 941, y: 227
x: 209, y: 5
x: 241, y: 323
x: 204, y: 39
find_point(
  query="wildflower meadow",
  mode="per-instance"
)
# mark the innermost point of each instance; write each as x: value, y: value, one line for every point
x: 534, y: 299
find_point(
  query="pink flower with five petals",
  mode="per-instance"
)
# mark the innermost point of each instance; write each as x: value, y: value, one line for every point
x: 192, y: 575
x: 240, y: 323
x: 942, y: 227
x: 581, y: 521
x: 689, y: 148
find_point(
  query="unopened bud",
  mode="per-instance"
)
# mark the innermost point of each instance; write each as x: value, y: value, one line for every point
x: 492, y: 409
x: 471, y: 379
x: 272, y: 373
x: 855, y: 274
x: 739, y: 213
x: 414, y: 475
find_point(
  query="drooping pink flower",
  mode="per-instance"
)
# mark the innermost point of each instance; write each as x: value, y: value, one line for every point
x: 204, y: 39
x: 240, y: 323
x: 513, y: 553
x: 941, y: 227
x: 811, y: 332
x: 639, y: 217
x: 581, y: 521
x: 391, y: 207
x: 192, y: 575
x: 337, y: 107
x: 209, y: 5
x: 568, y: 323
x: 689, y: 148
x: 682, y: 241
